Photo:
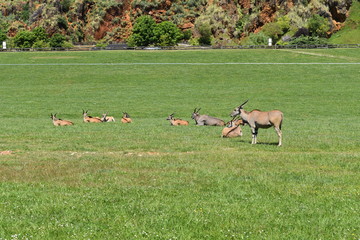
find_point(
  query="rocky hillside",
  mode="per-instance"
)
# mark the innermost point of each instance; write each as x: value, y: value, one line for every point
x: 112, y: 20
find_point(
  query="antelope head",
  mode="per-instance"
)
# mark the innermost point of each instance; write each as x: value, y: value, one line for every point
x: 237, y: 110
x: 195, y: 113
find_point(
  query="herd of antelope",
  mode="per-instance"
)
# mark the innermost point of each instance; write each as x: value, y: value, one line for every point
x: 255, y: 119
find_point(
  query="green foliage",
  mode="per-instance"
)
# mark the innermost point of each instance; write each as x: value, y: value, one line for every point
x: 57, y: 40
x: 309, y: 40
x: 3, y: 36
x: 143, y: 31
x: 40, y: 34
x: 24, y: 39
x: 65, y: 5
x: 284, y: 23
x: 187, y: 34
x: 41, y: 44
x: 62, y: 23
x: 258, y: 39
x: 25, y: 13
x: 204, y: 30
x: 273, y: 30
x: 318, y: 26
x: 167, y: 34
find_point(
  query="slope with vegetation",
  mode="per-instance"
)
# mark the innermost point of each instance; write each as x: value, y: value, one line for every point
x: 217, y: 22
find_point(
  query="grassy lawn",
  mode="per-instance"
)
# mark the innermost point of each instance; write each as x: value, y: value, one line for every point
x: 150, y: 180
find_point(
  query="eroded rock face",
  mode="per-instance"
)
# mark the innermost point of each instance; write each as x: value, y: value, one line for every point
x: 94, y: 19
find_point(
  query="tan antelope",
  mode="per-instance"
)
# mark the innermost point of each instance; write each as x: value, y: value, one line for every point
x: 176, y: 121
x: 126, y: 118
x: 90, y: 118
x: 106, y: 118
x: 203, y: 120
x: 232, y: 128
x: 60, y: 122
x: 259, y: 119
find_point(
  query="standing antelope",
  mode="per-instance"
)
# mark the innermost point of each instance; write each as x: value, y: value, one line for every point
x: 176, y: 121
x: 258, y: 119
x: 90, y: 118
x: 233, y: 128
x: 203, y: 120
x: 60, y: 122
x: 106, y: 118
x: 126, y: 118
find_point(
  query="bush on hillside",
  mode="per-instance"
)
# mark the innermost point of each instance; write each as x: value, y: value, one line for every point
x: 3, y: 36
x: 318, y: 26
x: 309, y: 40
x: 143, y: 31
x: 167, y: 34
x: 24, y: 39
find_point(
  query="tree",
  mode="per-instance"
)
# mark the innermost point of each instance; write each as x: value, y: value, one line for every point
x: 167, y: 34
x: 205, y: 34
x: 40, y: 34
x: 318, y: 26
x: 143, y: 31
x: 24, y: 39
x: 57, y: 40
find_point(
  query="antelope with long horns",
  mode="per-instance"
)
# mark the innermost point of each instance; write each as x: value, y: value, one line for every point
x: 126, y: 118
x: 60, y: 122
x: 259, y: 119
x: 203, y: 120
x: 90, y: 119
x: 232, y: 128
x: 176, y: 121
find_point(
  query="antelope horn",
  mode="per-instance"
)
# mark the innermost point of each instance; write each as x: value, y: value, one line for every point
x: 244, y: 103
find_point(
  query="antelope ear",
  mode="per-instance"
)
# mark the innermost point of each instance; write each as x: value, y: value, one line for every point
x: 198, y: 110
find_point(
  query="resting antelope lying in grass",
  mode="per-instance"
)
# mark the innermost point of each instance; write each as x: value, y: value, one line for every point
x: 90, y: 118
x: 60, y: 122
x: 259, y: 119
x: 176, y: 121
x: 232, y: 128
x: 203, y: 120
x: 106, y: 118
x: 126, y: 118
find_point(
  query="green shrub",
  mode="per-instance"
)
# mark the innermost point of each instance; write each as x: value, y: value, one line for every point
x: 318, y: 26
x: 40, y: 44
x: 62, y: 23
x: 273, y: 30
x: 205, y: 34
x: 40, y: 34
x: 187, y: 34
x: 309, y: 40
x: 143, y: 31
x: 24, y: 39
x: 258, y: 39
x: 3, y: 36
x: 167, y: 34
x: 57, y: 40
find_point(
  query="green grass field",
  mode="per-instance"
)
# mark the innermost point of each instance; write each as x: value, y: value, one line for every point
x: 150, y: 180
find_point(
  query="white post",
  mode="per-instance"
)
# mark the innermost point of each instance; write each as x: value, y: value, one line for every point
x: 4, y: 45
x: 270, y: 42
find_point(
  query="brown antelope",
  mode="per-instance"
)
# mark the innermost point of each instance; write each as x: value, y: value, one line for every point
x: 106, y: 118
x: 90, y: 118
x: 232, y: 128
x: 60, y: 122
x: 203, y: 120
x: 259, y: 119
x: 126, y: 118
x: 176, y: 121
